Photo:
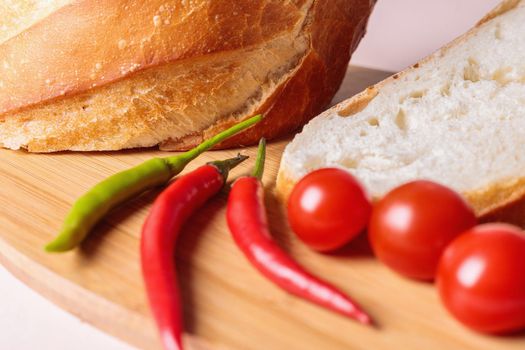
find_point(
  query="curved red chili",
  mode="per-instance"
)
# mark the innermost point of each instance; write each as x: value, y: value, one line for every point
x: 159, y: 234
x: 248, y: 225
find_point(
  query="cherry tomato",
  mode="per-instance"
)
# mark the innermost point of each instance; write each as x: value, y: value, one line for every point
x: 327, y: 208
x: 411, y: 226
x: 481, y: 278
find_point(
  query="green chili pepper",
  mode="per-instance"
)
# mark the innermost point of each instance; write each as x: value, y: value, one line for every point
x: 98, y: 201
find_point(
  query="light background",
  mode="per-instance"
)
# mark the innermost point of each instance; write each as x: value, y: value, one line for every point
x: 400, y: 32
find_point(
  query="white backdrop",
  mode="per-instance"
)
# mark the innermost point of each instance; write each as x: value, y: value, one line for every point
x: 400, y: 32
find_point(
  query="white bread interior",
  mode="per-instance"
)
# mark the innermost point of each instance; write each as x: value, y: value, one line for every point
x: 457, y: 117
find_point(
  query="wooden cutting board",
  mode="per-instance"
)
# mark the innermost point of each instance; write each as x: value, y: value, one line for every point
x: 227, y: 304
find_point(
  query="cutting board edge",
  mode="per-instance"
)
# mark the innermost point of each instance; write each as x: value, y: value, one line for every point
x: 77, y: 300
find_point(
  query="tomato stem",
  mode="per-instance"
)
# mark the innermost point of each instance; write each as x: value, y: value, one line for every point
x: 261, y: 157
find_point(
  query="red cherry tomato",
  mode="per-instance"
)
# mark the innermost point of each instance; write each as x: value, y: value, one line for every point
x: 327, y: 208
x: 412, y: 225
x: 481, y: 278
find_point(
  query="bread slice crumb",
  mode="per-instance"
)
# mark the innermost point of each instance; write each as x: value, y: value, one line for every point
x: 457, y: 118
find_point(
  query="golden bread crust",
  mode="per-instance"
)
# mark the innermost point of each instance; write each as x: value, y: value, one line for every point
x: 315, y: 82
x: 95, y: 51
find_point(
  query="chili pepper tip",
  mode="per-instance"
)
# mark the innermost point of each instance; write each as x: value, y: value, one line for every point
x: 365, y: 319
x: 53, y: 247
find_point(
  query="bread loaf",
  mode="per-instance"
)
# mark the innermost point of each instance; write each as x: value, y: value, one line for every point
x: 112, y: 74
x: 457, y: 117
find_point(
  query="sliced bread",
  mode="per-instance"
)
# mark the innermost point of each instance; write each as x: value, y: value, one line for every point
x: 457, y: 117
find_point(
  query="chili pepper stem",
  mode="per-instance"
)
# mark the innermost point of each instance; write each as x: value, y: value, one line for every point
x: 261, y: 158
x: 224, y: 166
x: 175, y: 163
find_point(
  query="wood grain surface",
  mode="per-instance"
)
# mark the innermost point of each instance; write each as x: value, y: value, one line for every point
x: 227, y: 304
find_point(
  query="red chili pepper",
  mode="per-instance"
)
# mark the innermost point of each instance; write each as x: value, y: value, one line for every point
x: 159, y: 234
x: 248, y: 225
